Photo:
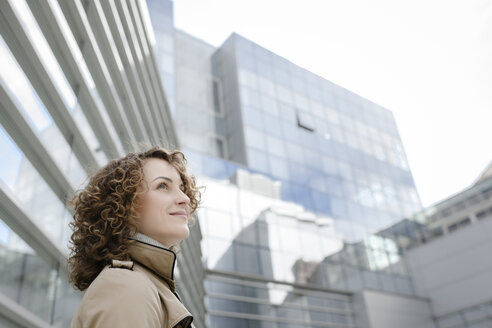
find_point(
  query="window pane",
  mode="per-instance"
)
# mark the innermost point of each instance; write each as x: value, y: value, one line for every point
x: 255, y: 138
x: 269, y: 105
x: 219, y: 254
x: 258, y: 160
x: 36, y: 198
x: 249, y: 257
x: 24, y: 277
x: 279, y: 168
x: 275, y: 146
x: 266, y: 87
x: 37, y: 116
x: 45, y: 53
x: 218, y: 224
x: 252, y: 117
x: 305, y: 120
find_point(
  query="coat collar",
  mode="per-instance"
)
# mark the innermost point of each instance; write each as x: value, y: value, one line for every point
x: 159, y: 260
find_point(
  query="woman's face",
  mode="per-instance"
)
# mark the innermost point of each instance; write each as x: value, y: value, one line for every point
x: 164, y: 206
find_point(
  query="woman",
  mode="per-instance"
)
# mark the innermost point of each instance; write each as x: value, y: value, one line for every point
x: 127, y: 222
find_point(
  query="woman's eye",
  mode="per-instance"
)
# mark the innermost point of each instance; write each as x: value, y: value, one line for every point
x: 162, y: 186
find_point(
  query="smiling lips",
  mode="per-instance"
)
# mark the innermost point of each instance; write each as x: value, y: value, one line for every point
x: 179, y: 213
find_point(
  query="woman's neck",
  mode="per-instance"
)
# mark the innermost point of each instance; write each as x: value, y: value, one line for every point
x: 146, y: 239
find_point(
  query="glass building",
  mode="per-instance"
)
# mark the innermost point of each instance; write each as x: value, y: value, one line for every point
x: 308, y: 211
x: 305, y: 182
x: 79, y: 85
x: 308, y: 214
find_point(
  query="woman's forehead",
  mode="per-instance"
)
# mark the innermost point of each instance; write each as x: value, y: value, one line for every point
x: 155, y: 167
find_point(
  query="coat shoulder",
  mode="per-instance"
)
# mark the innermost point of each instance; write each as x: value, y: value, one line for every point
x: 123, y: 296
x: 123, y: 281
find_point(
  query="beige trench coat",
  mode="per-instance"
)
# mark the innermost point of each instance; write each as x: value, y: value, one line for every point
x: 137, y: 293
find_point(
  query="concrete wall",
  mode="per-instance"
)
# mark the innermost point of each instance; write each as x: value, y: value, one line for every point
x: 381, y: 310
x: 225, y: 68
x: 455, y: 272
x: 198, y: 123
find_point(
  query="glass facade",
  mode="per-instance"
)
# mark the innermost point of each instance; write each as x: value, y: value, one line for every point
x: 255, y: 235
x: 314, y: 147
x: 309, y: 198
x: 78, y: 86
x: 332, y: 154
x: 479, y: 316
x: 200, y: 118
x: 266, y: 304
x: 36, y: 285
x: 162, y: 19
x: 335, y: 152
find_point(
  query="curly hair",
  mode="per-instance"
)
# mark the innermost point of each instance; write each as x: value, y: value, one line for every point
x: 106, y: 209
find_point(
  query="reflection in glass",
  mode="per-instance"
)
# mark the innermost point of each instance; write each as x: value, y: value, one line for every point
x: 279, y: 304
x: 284, y: 242
x: 12, y: 157
x: 266, y: 86
x: 35, y: 196
x: 248, y: 259
x: 25, y: 277
x: 219, y: 254
x: 258, y: 160
x: 255, y: 138
x: 264, y: 69
x: 36, y: 114
x: 279, y: 168
x: 45, y: 53
x: 276, y: 147
x: 248, y: 79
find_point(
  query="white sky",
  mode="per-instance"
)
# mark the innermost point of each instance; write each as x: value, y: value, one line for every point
x: 428, y: 61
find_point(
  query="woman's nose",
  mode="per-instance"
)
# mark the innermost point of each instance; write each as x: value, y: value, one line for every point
x: 183, y: 198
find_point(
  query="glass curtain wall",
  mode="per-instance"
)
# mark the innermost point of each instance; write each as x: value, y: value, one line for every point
x: 67, y: 105
x: 335, y: 156
x: 327, y: 203
x: 250, y: 236
x: 335, y: 152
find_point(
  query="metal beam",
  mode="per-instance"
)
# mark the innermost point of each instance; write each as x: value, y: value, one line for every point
x: 80, y: 27
x: 130, y: 71
x: 54, y: 34
x: 251, y: 277
x: 19, y: 315
x: 141, y: 43
x: 17, y: 220
x: 28, y: 58
x: 109, y: 51
x: 140, y: 75
x: 30, y: 144
x: 170, y: 132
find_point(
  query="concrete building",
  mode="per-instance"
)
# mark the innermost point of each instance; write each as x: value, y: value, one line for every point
x: 462, y: 209
x: 452, y: 268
